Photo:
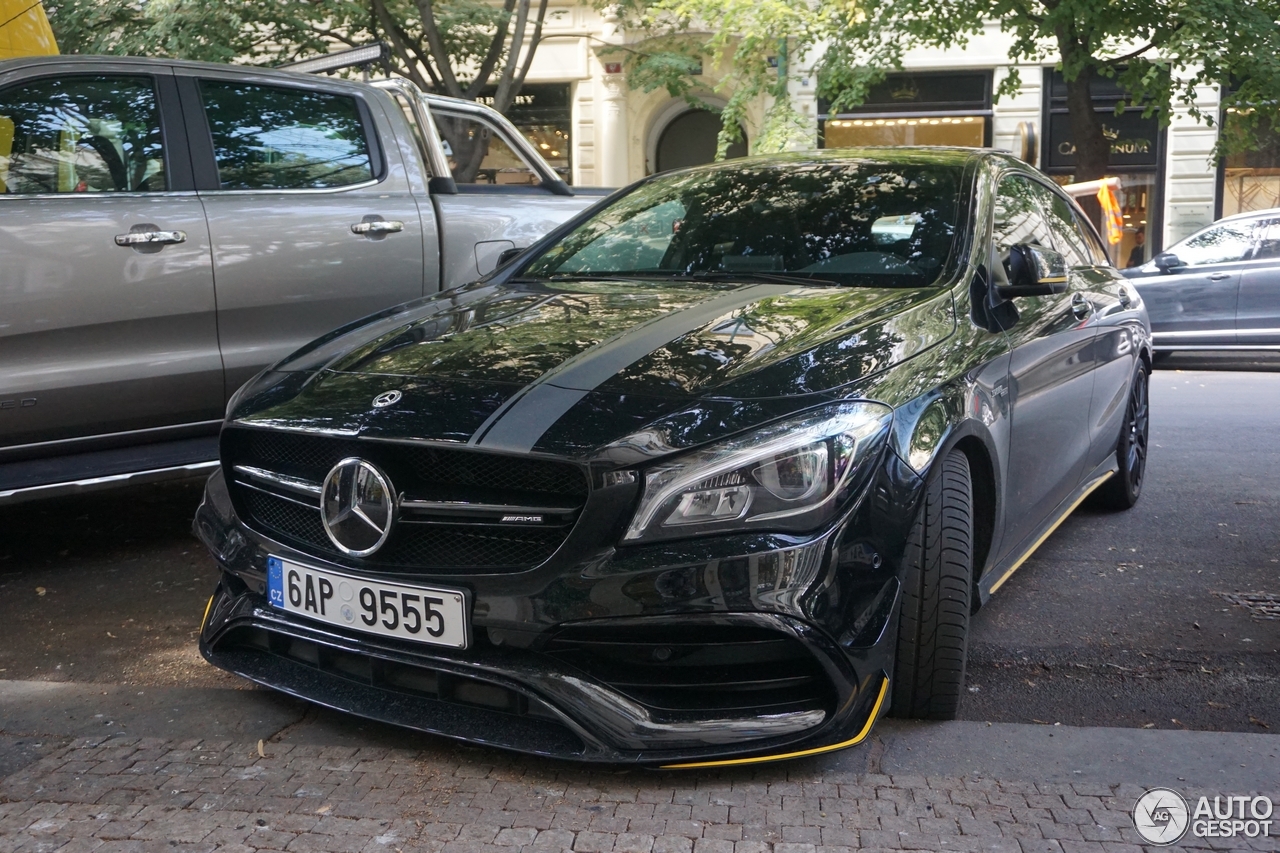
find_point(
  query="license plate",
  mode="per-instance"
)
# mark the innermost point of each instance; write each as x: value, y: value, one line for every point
x: 425, y: 614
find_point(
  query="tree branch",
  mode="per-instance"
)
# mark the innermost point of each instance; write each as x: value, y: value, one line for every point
x: 533, y: 45
x: 439, y: 53
x: 485, y: 71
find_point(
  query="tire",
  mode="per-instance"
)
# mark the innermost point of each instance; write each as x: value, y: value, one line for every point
x: 1122, y: 491
x: 933, y: 624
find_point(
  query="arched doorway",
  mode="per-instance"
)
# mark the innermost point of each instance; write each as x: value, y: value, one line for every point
x: 689, y: 139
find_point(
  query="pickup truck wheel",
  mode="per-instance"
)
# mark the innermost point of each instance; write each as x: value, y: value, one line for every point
x: 1122, y: 491
x: 933, y: 624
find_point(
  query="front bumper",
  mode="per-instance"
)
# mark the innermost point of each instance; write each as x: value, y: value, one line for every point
x: 782, y: 647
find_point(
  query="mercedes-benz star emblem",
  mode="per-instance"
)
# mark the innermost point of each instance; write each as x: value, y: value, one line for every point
x: 358, y: 507
x: 386, y: 398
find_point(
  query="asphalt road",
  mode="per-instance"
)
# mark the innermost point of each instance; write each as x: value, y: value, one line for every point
x: 1119, y: 619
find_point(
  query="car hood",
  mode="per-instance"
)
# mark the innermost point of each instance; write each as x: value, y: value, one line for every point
x: 566, y: 366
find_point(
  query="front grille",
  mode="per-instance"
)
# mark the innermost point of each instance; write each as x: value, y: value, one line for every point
x: 423, y: 471
x: 727, y: 669
x: 443, y: 543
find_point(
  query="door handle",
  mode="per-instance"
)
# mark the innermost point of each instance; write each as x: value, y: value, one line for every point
x: 1081, y: 307
x: 151, y: 238
x: 1219, y: 276
x: 378, y: 226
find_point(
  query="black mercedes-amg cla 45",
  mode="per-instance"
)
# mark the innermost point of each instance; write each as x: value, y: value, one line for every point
x: 715, y: 473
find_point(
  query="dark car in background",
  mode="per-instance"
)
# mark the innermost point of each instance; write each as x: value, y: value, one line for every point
x: 713, y: 474
x: 1218, y: 289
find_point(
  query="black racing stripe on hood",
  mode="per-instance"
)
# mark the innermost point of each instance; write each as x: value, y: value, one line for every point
x: 519, y: 424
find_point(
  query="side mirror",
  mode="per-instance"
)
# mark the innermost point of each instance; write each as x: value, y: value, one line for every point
x: 1167, y: 262
x: 1034, y: 271
x: 507, y: 255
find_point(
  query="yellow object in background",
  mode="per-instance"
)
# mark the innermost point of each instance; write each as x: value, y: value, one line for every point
x: 24, y: 30
x: 6, y: 149
x: 1112, y: 221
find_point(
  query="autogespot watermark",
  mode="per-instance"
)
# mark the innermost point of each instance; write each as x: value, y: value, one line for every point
x: 1162, y: 816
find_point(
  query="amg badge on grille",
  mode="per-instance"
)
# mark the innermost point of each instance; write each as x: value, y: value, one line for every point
x: 358, y: 507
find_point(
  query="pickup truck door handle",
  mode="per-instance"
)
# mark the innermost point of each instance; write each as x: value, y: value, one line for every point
x: 378, y: 226
x: 1219, y: 276
x: 1080, y: 306
x: 151, y: 238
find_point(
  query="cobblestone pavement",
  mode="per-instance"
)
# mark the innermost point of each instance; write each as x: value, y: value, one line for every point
x: 124, y: 794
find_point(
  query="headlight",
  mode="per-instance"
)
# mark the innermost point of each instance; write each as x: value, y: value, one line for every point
x: 789, y: 476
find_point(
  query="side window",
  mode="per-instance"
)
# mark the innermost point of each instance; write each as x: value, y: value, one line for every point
x: 479, y: 153
x: 1220, y: 245
x: 1268, y: 241
x: 79, y: 134
x: 1067, y: 234
x: 1018, y: 215
x: 276, y: 138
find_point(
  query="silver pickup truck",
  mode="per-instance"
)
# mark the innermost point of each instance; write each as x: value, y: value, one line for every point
x: 169, y: 228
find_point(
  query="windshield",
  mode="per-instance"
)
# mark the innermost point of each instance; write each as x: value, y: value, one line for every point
x: 863, y: 224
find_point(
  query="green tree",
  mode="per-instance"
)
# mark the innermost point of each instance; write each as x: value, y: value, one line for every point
x: 1159, y: 52
x: 452, y: 47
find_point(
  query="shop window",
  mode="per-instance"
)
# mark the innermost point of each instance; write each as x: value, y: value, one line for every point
x: 969, y: 131
x: 479, y: 154
x: 1251, y: 179
x: 1137, y: 145
x: 541, y: 111
x: 949, y: 108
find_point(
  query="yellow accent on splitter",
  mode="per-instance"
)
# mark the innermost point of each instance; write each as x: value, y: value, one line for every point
x: 817, y: 750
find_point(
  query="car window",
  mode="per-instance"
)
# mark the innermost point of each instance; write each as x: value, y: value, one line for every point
x: 78, y: 134
x: 479, y: 152
x: 1067, y: 234
x: 1019, y: 217
x: 1221, y: 244
x: 276, y: 138
x: 638, y: 243
x: 865, y: 224
x: 1268, y: 247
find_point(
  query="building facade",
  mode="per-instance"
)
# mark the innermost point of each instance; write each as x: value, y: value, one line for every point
x: 590, y: 125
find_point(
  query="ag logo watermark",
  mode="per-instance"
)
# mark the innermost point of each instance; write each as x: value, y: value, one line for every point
x: 1162, y: 817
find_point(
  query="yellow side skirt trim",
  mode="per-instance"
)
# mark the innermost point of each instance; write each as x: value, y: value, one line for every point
x: 1049, y: 532
x: 817, y: 750
x: 207, y: 608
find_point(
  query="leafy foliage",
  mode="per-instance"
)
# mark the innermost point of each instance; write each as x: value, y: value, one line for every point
x: 454, y: 47
x: 1159, y: 52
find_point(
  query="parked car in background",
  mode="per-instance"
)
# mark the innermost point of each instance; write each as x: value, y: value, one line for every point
x: 1218, y: 289
x: 713, y: 474
x: 169, y: 228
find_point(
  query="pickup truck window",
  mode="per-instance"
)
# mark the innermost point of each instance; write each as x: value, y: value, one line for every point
x: 479, y: 154
x: 81, y: 134
x: 276, y: 138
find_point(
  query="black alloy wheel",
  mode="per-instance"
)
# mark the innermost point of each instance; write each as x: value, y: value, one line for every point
x: 933, y: 624
x: 1122, y: 491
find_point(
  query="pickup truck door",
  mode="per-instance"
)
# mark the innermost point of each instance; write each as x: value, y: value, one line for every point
x: 313, y: 221
x: 106, y: 283
x: 504, y: 200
